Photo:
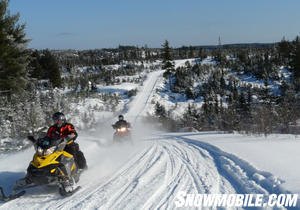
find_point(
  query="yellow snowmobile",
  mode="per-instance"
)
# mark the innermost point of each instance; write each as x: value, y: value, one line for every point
x: 51, y: 165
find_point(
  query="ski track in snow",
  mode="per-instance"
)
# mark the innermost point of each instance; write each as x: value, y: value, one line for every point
x: 152, y: 178
x: 157, y: 168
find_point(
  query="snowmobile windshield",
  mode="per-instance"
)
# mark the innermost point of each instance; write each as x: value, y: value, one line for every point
x: 46, y: 146
x: 43, y: 152
x: 44, y: 143
x: 48, y: 142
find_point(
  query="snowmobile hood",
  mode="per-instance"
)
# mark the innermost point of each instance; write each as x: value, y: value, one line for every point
x: 43, y: 161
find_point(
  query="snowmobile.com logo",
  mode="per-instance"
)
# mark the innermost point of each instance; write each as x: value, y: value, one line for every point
x: 235, y: 200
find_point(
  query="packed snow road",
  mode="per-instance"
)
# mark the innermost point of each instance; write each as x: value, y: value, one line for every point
x: 150, y: 175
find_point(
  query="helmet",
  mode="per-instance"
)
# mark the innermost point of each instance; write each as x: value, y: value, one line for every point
x: 121, y: 117
x: 58, y: 118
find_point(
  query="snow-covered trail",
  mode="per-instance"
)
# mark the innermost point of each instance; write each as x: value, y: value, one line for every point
x: 153, y: 175
x: 139, y: 104
x: 146, y: 175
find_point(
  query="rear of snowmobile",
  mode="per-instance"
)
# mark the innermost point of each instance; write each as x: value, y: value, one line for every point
x: 51, y: 165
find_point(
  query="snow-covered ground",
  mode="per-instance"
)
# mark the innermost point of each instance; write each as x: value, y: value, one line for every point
x: 150, y: 173
x: 275, y: 153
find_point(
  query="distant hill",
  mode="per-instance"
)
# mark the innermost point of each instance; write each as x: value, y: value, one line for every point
x: 238, y: 45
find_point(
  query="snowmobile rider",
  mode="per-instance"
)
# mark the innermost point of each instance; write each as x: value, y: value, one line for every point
x: 64, y: 130
x: 121, y: 123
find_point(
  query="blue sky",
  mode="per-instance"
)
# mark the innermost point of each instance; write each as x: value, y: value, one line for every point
x: 90, y: 24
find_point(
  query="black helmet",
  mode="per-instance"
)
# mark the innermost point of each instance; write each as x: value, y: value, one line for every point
x: 58, y: 116
x: 121, y: 117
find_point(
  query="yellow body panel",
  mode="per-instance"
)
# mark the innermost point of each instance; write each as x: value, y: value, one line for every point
x: 42, y: 161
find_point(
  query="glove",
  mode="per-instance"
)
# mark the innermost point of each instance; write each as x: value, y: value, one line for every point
x: 31, y: 138
x: 69, y: 137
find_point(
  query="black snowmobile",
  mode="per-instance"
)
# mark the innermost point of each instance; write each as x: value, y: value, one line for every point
x: 51, y: 165
x: 122, y: 133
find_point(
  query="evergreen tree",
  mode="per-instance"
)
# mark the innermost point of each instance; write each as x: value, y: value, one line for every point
x: 202, y: 53
x: 36, y: 70
x: 284, y: 48
x: 50, y: 66
x: 295, y: 63
x: 13, y: 54
x: 190, y: 117
x: 160, y: 111
x: 222, y: 85
x: 189, y: 93
x: 283, y: 88
x: 235, y: 93
x: 249, y: 95
x: 191, y: 52
x: 242, y: 103
x: 167, y: 59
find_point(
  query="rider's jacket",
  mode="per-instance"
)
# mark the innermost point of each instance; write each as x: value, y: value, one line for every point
x: 67, y: 129
x: 122, y: 123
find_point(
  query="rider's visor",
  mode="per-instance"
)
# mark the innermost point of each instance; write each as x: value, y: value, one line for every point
x: 58, y: 121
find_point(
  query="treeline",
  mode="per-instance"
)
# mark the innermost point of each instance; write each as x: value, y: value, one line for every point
x: 102, y: 57
x: 144, y: 54
x: 230, y: 103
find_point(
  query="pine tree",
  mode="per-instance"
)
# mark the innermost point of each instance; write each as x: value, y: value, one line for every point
x: 36, y: 70
x: 242, y: 103
x: 295, y: 63
x: 190, y: 117
x: 249, y: 95
x: 13, y: 55
x: 284, y: 48
x: 167, y: 59
x: 235, y: 93
x: 189, y: 93
x: 283, y: 88
x: 50, y: 66
x: 160, y: 112
x: 191, y: 52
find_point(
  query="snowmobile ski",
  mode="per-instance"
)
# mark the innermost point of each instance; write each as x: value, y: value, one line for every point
x: 10, y: 197
x: 66, y: 194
